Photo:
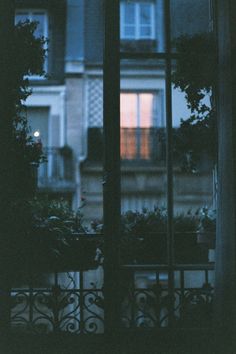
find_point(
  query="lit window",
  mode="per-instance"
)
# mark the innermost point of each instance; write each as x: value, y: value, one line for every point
x: 39, y: 16
x: 137, y: 114
x: 137, y: 20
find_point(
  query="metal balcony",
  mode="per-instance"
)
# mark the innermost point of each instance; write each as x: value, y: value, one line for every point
x: 57, y: 173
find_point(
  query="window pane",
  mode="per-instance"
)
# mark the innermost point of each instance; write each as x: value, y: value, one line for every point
x: 21, y: 17
x: 148, y: 24
x: 189, y: 17
x: 145, y: 32
x: 129, y: 13
x: 129, y: 32
x: 143, y: 169
x: 40, y: 19
x: 146, y: 110
x: 145, y: 14
x: 128, y: 110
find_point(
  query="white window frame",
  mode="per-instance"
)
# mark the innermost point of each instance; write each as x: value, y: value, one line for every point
x: 137, y: 25
x: 30, y: 16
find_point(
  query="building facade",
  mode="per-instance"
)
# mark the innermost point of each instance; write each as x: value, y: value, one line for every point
x: 66, y: 108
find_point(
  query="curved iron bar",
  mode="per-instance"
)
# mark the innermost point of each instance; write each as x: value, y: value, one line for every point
x: 93, y: 326
x: 69, y: 300
x: 87, y: 307
x: 70, y: 326
x: 36, y: 328
x: 45, y: 301
x: 146, y: 295
x: 16, y: 300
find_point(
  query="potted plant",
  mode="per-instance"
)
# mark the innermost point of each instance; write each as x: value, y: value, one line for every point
x: 187, y: 250
x: 61, y: 240
x: 144, y: 237
x: 49, y: 237
x: 207, y: 227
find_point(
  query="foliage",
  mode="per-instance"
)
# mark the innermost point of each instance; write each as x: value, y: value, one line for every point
x: 155, y: 221
x: 56, y: 217
x: 28, y: 56
x: 207, y: 220
x: 50, y: 236
x: 144, y: 236
x: 195, y: 75
x: 139, y: 223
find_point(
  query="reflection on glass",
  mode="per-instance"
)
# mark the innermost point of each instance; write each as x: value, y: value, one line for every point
x: 137, y: 20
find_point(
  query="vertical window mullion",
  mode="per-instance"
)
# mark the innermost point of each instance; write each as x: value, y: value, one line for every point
x: 111, y: 166
x: 169, y: 165
x: 122, y: 21
x: 138, y: 133
x: 152, y: 21
x: 137, y: 21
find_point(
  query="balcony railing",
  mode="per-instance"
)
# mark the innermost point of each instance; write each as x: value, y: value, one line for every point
x: 58, y: 171
x: 137, y: 144
x: 73, y: 301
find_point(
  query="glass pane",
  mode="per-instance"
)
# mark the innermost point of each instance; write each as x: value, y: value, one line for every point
x: 128, y: 110
x: 38, y: 122
x: 21, y: 17
x: 143, y: 171
x: 189, y: 17
x: 145, y: 32
x: 194, y: 146
x: 148, y: 20
x: 129, y: 13
x: 129, y: 31
x: 145, y: 14
x: 146, y: 107
x: 41, y: 23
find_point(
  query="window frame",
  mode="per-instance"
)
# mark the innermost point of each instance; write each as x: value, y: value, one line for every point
x: 30, y: 13
x: 157, y: 122
x: 137, y: 22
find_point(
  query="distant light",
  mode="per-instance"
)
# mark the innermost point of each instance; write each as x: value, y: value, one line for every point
x: 36, y: 134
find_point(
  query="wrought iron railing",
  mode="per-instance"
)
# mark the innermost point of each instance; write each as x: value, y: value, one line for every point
x: 58, y: 170
x: 142, y: 144
x: 69, y: 302
x: 136, y: 144
x: 73, y: 302
x: 146, y: 296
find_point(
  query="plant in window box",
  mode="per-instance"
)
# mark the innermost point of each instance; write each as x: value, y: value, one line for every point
x: 207, y: 227
x: 143, y: 236
x: 60, y: 242
x: 186, y: 247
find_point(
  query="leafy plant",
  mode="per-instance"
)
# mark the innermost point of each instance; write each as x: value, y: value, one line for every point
x: 207, y: 220
x: 195, y: 74
x: 53, y: 237
x: 29, y: 54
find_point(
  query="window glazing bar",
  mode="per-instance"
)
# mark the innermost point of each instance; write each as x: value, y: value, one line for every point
x: 111, y: 182
x: 169, y: 163
x: 148, y: 55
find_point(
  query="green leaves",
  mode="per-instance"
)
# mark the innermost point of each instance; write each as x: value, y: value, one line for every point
x: 195, y: 74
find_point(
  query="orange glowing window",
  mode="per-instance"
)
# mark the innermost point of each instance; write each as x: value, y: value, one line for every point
x: 136, y: 120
